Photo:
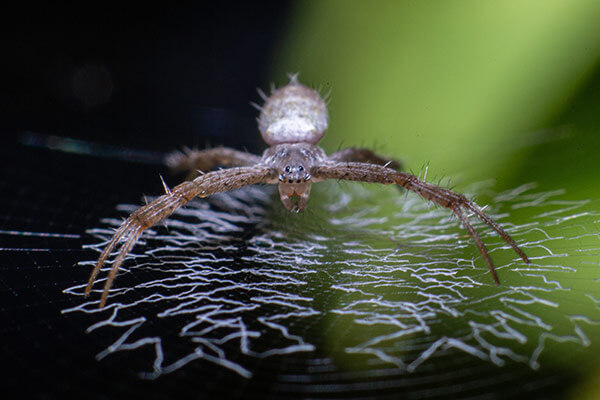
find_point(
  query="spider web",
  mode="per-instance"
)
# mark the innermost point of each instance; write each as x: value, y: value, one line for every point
x: 372, y: 285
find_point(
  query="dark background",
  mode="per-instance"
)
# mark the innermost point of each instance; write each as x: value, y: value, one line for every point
x: 145, y: 77
x: 140, y: 76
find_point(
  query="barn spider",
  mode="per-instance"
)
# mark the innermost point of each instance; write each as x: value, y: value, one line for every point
x: 292, y: 121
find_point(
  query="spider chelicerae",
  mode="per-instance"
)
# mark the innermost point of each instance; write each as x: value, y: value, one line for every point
x: 292, y: 120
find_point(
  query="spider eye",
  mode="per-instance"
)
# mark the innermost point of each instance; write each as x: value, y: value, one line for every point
x: 300, y: 168
x: 287, y: 168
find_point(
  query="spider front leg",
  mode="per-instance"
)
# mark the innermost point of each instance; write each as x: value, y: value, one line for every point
x: 364, y: 172
x: 154, y: 212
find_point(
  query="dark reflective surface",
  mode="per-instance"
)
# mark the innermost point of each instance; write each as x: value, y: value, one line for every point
x: 368, y: 294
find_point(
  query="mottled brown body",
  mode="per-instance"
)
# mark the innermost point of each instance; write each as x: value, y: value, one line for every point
x: 292, y: 121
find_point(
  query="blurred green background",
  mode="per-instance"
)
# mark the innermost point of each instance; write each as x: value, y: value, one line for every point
x: 476, y: 90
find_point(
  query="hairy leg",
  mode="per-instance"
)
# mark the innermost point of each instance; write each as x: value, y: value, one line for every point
x: 154, y: 212
x: 205, y: 160
x: 355, y: 154
x: 364, y: 172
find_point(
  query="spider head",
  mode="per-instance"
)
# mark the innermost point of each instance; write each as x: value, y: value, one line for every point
x: 294, y: 181
x: 293, y: 163
x: 294, y: 174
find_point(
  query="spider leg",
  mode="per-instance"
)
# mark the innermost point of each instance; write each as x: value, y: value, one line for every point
x: 154, y: 212
x: 205, y: 160
x: 355, y: 154
x: 496, y: 227
x: 365, y: 172
x: 478, y: 242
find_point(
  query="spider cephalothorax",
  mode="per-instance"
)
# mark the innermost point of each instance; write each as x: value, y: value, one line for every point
x: 294, y: 162
x: 292, y: 121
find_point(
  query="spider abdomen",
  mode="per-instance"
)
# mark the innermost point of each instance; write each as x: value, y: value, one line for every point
x: 293, y: 114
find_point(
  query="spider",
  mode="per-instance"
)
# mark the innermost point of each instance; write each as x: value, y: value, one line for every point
x: 292, y: 120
